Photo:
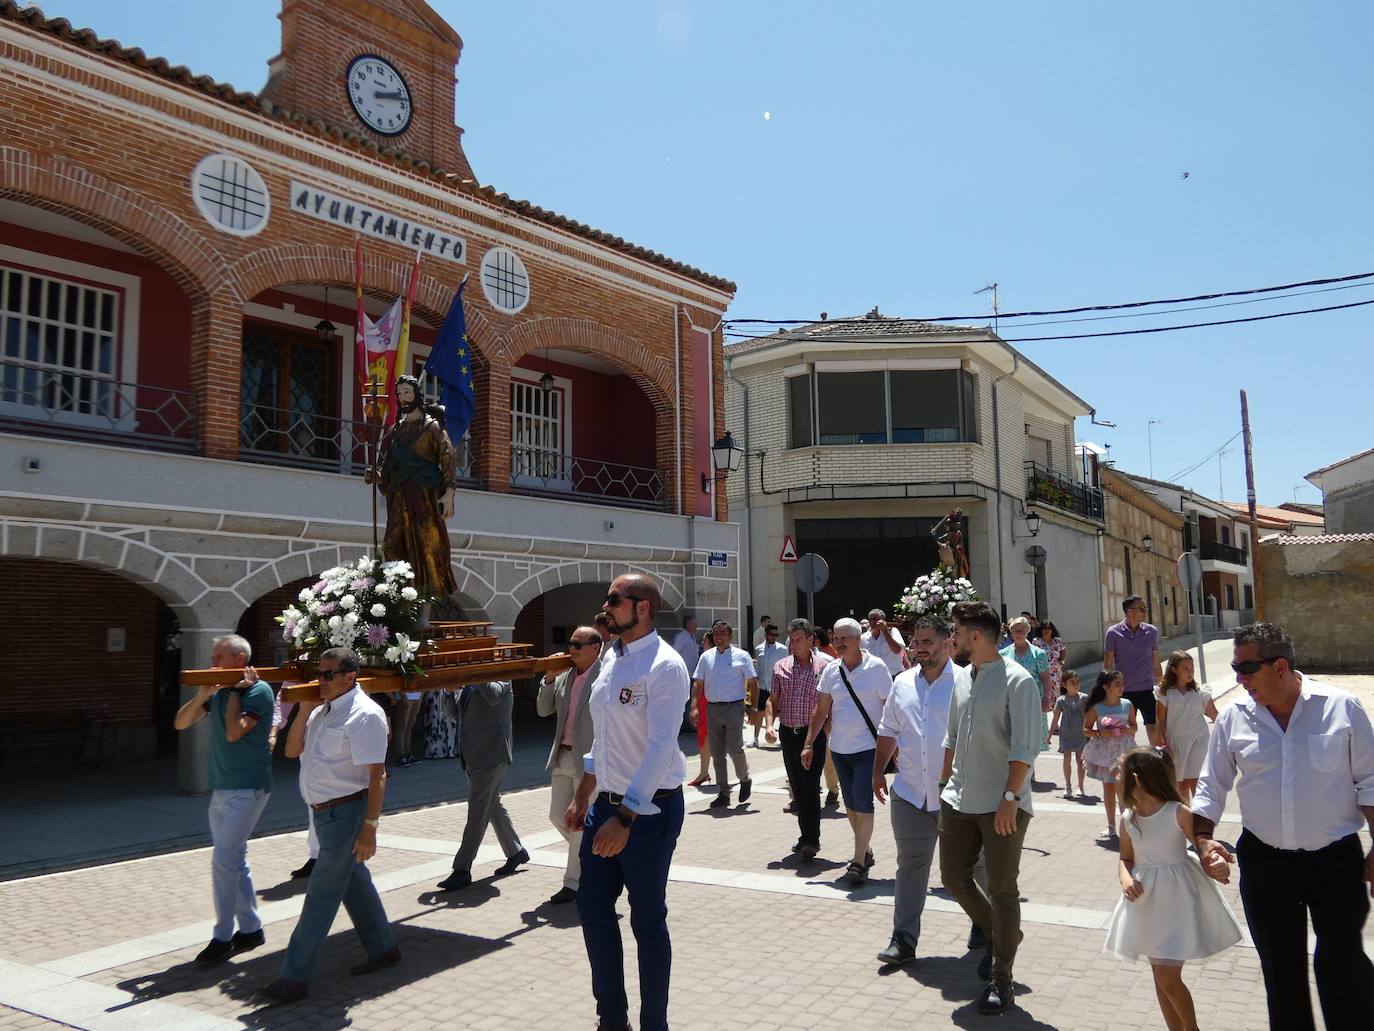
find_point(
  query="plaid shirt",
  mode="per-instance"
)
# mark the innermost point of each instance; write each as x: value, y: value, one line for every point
x: 794, y: 689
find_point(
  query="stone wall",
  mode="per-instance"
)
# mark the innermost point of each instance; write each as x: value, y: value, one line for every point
x: 1321, y: 593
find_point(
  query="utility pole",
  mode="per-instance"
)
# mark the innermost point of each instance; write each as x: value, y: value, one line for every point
x: 1250, y: 501
x: 1150, y: 441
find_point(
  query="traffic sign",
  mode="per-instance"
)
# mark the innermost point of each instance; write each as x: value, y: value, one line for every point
x: 1190, y: 570
x: 811, y: 573
x: 789, y: 550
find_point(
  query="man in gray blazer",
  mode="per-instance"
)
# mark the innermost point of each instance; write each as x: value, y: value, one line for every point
x: 564, y: 697
x: 484, y: 749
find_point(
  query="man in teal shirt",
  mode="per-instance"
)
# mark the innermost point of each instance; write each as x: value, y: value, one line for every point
x: 240, y: 783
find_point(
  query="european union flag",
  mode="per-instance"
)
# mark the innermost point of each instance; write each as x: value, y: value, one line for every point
x: 450, y: 363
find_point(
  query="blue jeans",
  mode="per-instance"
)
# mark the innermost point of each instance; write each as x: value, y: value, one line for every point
x: 337, y: 877
x: 233, y: 815
x: 642, y: 869
x: 856, y: 779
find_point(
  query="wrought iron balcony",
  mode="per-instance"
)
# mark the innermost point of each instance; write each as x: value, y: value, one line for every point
x: 310, y: 440
x: 1223, y: 553
x: 540, y: 471
x: 79, y: 405
x: 1044, y: 486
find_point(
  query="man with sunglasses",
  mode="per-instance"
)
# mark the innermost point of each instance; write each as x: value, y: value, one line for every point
x: 1132, y: 646
x: 629, y: 805
x: 564, y: 696
x: 725, y: 674
x: 1305, y: 755
x: 341, y: 743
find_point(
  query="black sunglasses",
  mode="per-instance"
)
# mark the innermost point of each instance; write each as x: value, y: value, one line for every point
x: 328, y: 675
x: 615, y: 598
x: 1249, y: 669
x: 583, y: 644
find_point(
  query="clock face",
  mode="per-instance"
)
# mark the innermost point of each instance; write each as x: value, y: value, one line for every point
x: 379, y: 95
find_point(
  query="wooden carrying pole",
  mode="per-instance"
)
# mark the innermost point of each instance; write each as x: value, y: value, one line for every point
x: 1250, y: 502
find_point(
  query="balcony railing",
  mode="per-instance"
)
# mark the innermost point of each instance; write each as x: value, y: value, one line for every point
x: 1223, y: 553
x: 1044, y: 486
x: 309, y: 440
x: 85, y: 406
x: 539, y: 471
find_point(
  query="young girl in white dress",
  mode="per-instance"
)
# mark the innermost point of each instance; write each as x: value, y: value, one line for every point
x: 1184, y: 709
x: 1170, y: 911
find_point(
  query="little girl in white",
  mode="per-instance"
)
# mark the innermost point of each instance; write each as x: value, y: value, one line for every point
x: 1110, y: 727
x: 1170, y: 911
x: 1068, y: 726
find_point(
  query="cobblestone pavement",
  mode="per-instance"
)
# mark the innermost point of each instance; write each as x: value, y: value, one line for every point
x: 761, y: 943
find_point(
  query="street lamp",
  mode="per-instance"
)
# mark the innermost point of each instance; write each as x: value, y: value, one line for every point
x: 546, y: 381
x: 324, y: 329
x: 725, y: 456
x: 1032, y: 521
x: 1148, y: 543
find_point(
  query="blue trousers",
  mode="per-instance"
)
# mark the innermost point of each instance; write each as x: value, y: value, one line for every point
x: 641, y: 869
x: 337, y: 877
x: 234, y: 813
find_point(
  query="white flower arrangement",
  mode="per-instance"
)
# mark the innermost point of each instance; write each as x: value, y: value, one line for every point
x: 329, y: 614
x: 936, y: 593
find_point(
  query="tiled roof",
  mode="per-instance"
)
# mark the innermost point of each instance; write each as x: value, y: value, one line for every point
x: 1286, y: 539
x: 1343, y: 461
x: 1276, y: 516
x: 853, y: 328
x: 33, y: 18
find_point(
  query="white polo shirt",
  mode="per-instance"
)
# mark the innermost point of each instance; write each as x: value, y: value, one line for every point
x: 872, y: 683
x: 342, y: 738
x: 917, y: 715
x: 879, y: 648
x: 725, y: 673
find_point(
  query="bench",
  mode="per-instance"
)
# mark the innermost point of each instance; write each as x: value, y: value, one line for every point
x: 75, y: 737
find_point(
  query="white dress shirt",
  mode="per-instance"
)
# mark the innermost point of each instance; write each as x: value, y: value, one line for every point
x: 342, y: 738
x: 724, y: 673
x: 688, y: 645
x: 767, y: 656
x: 882, y: 649
x: 636, y: 708
x: 872, y: 682
x: 1299, y: 789
x: 916, y: 715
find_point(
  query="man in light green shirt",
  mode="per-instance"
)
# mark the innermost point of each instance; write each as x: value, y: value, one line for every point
x: 991, y: 741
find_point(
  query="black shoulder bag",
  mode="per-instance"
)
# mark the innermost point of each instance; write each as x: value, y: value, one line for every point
x: 891, y: 763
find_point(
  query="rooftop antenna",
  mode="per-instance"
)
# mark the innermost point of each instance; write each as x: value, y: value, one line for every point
x: 991, y: 288
x: 1150, y: 441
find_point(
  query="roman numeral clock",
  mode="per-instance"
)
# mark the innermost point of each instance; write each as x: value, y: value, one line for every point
x: 379, y: 95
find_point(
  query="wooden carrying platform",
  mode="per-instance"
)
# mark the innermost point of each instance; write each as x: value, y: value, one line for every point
x: 462, y: 653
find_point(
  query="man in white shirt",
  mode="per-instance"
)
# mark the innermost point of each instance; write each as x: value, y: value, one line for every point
x: 564, y: 697
x: 766, y: 656
x: 884, y: 642
x: 913, y: 725
x: 725, y: 673
x: 761, y: 630
x: 629, y: 805
x: 852, y: 692
x: 1305, y: 755
x: 687, y: 642
x: 341, y: 743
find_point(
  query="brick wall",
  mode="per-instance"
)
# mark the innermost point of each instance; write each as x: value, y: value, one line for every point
x: 55, y: 633
x: 259, y: 625
x: 1320, y: 594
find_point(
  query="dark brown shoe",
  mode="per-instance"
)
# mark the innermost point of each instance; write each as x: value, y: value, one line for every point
x: 282, y: 990
x: 389, y: 958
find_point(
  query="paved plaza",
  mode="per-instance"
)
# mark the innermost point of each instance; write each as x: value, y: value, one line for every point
x: 760, y: 941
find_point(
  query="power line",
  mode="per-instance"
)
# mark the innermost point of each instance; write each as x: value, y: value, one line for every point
x: 1328, y: 281
x: 1205, y: 458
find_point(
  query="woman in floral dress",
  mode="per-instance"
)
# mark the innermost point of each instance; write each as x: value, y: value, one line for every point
x: 1057, y: 653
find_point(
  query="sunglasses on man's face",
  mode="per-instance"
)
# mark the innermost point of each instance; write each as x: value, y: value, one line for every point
x: 615, y: 598
x: 1250, y: 668
x: 327, y: 675
x: 583, y: 644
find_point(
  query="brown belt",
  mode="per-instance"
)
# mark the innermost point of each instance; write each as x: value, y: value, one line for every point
x: 339, y: 801
x: 564, y: 748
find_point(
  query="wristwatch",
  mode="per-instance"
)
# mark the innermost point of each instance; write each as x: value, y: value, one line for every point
x: 373, y: 823
x: 1010, y: 796
x: 625, y: 821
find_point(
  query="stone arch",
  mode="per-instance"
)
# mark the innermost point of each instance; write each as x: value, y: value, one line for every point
x: 383, y: 275
x: 569, y: 572
x: 149, y: 227
x: 654, y: 375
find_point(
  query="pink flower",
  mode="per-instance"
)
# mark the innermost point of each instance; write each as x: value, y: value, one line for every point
x: 376, y: 636
x: 327, y: 608
x: 362, y: 583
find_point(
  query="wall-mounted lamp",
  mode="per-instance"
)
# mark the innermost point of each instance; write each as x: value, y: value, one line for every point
x: 1148, y: 543
x: 725, y: 456
x: 1032, y: 521
x: 324, y: 329
x: 546, y: 380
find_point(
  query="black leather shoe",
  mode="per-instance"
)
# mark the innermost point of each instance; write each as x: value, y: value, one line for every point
x: 304, y: 871
x: 215, y: 953
x: 831, y: 799
x: 389, y: 958
x: 722, y: 801
x: 745, y: 786
x: 247, y: 941
x: 977, y: 939
x: 513, y: 863
x: 790, y: 807
x: 456, y: 881
x: 996, y: 998
x: 563, y: 896
x: 897, y: 952
x: 808, y: 852
x: 282, y: 990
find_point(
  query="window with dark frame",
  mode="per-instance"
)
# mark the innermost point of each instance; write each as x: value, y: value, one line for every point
x: 899, y: 406
x: 799, y: 412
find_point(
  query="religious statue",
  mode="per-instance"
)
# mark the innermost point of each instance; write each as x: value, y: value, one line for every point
x: 417, y: 478
x: 949, y: 537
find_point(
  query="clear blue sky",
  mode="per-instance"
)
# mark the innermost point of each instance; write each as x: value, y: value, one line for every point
x: 917, y: 151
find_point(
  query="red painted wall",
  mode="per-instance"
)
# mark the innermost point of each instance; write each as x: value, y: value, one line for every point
x: 612, y: 419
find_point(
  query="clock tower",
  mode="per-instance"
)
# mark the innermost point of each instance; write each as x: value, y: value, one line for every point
x: 383, y: 69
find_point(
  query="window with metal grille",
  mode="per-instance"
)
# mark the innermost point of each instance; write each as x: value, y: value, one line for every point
x: 60, y: 344
x: 536, y: 432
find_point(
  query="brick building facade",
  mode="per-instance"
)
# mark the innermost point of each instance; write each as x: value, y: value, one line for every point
x: 176, y: 416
